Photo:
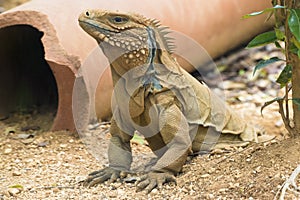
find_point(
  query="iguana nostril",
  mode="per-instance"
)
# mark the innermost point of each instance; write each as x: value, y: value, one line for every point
x: 87, y: 13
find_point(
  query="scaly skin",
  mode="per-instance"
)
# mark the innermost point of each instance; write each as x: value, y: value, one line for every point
x: 152, y: 94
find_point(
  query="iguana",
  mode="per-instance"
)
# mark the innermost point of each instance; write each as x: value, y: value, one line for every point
x: 153, y: 95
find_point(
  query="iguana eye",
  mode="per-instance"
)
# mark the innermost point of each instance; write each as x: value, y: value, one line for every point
x: 119, y: 20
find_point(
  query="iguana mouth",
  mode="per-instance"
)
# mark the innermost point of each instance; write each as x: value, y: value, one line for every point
x: 103, y: 31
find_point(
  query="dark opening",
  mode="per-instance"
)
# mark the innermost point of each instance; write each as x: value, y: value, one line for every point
x: 27, y: 84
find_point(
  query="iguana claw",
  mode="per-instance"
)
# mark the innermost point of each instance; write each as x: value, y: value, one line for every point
x: 103, y: 175
x: 154, y: 179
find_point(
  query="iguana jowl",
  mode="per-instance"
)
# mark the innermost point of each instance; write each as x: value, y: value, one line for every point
x: 177, y: 114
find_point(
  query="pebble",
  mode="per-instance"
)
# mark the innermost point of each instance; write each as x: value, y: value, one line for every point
x: 210, y: 196
x: 79, y: 179
x: 16, y: 173
x: 14, y: 191
x: 222, y: 190
x: 116, y: 185
x: 24, y: 136
x: 218, y: 151
x: 205, y: 175
x: 7, y: 151
x: 63, y: 145
x: 279, y: 123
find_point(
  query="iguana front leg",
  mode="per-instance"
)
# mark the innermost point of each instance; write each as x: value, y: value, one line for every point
x: 174, y: 132
x: 119, y: 156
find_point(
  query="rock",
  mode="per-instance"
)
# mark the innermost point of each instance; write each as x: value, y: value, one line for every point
x: 79, y: 179
x: 222, y: 190
x: 14, y: 191
x: 204, y: 175
x: 217, y: 151
x: 279, y: 123
x: 16, y: 173
x: 7, y: 151
x: 63, y: 145
x: 43, y: 144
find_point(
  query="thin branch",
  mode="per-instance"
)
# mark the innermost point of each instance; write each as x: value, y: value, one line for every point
x: 285, y: 120
x: 291, y: 181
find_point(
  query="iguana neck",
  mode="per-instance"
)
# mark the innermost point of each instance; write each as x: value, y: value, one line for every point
x: 150, y: 78
x: 145, y: 69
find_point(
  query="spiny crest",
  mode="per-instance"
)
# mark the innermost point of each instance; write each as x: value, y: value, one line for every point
x: 163, y: 31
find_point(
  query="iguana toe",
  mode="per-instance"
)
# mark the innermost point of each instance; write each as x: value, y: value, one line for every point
x: 154, y: 179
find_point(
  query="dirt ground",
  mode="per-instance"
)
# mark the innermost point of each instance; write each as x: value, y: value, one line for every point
x: 38, y: 164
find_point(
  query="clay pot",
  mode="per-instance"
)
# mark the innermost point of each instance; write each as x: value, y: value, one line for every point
x: 69, y: 55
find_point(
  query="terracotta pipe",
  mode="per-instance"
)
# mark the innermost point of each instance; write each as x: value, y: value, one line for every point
x: 215, y: 24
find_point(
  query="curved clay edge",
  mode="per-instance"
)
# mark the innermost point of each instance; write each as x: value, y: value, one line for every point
x: 63, y: 65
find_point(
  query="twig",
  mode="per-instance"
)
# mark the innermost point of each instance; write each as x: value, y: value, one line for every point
x: 52, y: 187
x: 291, y: 181
x: 285, y: 120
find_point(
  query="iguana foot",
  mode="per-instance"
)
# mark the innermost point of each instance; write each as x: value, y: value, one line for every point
x: 154, y: 179
x: 103, y: 175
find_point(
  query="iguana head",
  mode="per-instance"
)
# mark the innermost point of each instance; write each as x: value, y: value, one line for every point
x: 123, y: 36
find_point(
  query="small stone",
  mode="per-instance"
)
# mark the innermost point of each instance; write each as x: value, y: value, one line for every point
x: 217, y: 151
x: 258, y: 169
x: 24, y: 136
x: 16, y: 173
x: 63, y: 145
x: 116, y: 185
x: 154, y: 191
x: 79, y: 179
x: 222, y: 190
x: 43, y: 144
x: 56, y: 190
x: 204, y: 175
x: 14, y: 191
x: 7, y: 151
x: 185, y: 190
x: 279, y: 123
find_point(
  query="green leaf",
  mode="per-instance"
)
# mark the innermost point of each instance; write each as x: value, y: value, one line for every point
x: 264, y: 63
x: 279, y: 34
x: 263, y: 39
x: 298, y: 53
x: 138, y: 139
x: 261, y: 12
x: 269, y: 103
x: 16, y: 186
x: 285, y: 76
x: 294, y: 22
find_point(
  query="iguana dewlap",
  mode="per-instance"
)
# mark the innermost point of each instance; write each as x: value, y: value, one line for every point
x: 152, y: 94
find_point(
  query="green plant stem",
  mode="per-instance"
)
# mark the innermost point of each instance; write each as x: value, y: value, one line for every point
x: 294, y: 61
